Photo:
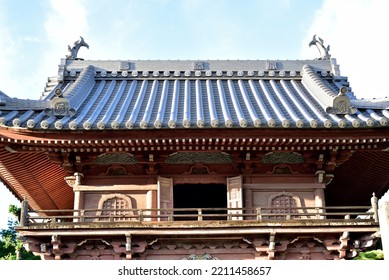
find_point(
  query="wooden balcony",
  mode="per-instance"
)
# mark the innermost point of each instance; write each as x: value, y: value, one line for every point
x: 181, y: 221
x: 261, y: 233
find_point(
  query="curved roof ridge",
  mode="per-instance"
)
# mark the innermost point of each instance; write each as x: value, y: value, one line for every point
x: 382, y: 103
x: 332, y: 102
x: 81, y: 87
x: 317, y: 86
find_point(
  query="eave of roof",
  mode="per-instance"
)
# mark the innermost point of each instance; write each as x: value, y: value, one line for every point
x: 233, y: 139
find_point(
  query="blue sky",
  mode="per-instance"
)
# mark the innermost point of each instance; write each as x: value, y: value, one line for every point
x: 34, y: 36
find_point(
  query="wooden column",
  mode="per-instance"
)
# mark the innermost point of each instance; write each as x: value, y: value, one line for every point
x: 24, y: 213
x: 149, y: 204
x: 319, y: 198
x: 319, y: 201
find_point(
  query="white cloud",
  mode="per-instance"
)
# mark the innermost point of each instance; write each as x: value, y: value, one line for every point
x: 356, y: 31
x: 32, y: 39
x: 26, y: 61
x: 66, y: 21
x: 195, y: 29
x: 8, y: 47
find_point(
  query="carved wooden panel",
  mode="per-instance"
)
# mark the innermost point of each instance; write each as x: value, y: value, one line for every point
x: 198, y: 157
x: 165, y: 196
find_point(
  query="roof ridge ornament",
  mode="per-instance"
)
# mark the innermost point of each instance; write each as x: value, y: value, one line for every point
x: 319, y: 43
x: 73, y: 52
x: 59, y: 106
x: 334, y: 103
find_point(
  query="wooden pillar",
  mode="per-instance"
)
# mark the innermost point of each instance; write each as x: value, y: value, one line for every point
x: 319, y: 198
x: 78, y: 200
x: 149, y: 204
x: 24, y: 213
x: 319, y: 201
x: 78, y: 204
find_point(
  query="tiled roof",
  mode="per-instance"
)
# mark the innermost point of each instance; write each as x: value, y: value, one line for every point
x: 112, y: 95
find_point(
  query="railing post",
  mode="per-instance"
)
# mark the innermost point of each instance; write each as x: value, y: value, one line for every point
x: 259, y: 213
x: 374, y: 205
x: 141, y: 215
x: 170, y: 217
x: 317, y: 210
x: 128, y: 243
x: 24, y: 213
x: 82, y: 216
x: 199, y: 214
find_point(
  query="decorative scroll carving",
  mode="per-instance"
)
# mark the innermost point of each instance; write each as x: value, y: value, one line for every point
x: 59, y: 106
x: 269, y: 246
x: 203, y: 257
x: 93, y: 249
x: 74, y: 180
x: 116, y: 170
x: 341, y: 105
x: 282, y: 169
x: 273, y: 65
x: 282, y: 157
x: 124, y: 65
x: 93, y: 239
x: 193, y: 157
x: 70, y: 181
x: 306, y: 248
x: 198, y: 65
x: 318, y: 246
x: 115, y: 158
x: 199, y: 170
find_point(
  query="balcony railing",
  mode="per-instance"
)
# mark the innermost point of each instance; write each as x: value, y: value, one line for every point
x: 278, y: 214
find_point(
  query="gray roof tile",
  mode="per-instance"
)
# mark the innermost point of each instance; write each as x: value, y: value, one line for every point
x: 104, y: 95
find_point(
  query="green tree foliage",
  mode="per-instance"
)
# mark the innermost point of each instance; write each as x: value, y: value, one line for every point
x: 370, y: 255
x: 11, y: 248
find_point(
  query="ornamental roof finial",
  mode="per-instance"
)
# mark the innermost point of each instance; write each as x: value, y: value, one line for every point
x: 74, y: 50
x: 319, y: 43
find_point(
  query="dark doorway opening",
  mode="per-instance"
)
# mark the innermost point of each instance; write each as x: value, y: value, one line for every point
x: 200, y: 196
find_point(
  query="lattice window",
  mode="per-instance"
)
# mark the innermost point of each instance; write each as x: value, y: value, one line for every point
x: 115, y: 208
x: 283, y: 204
